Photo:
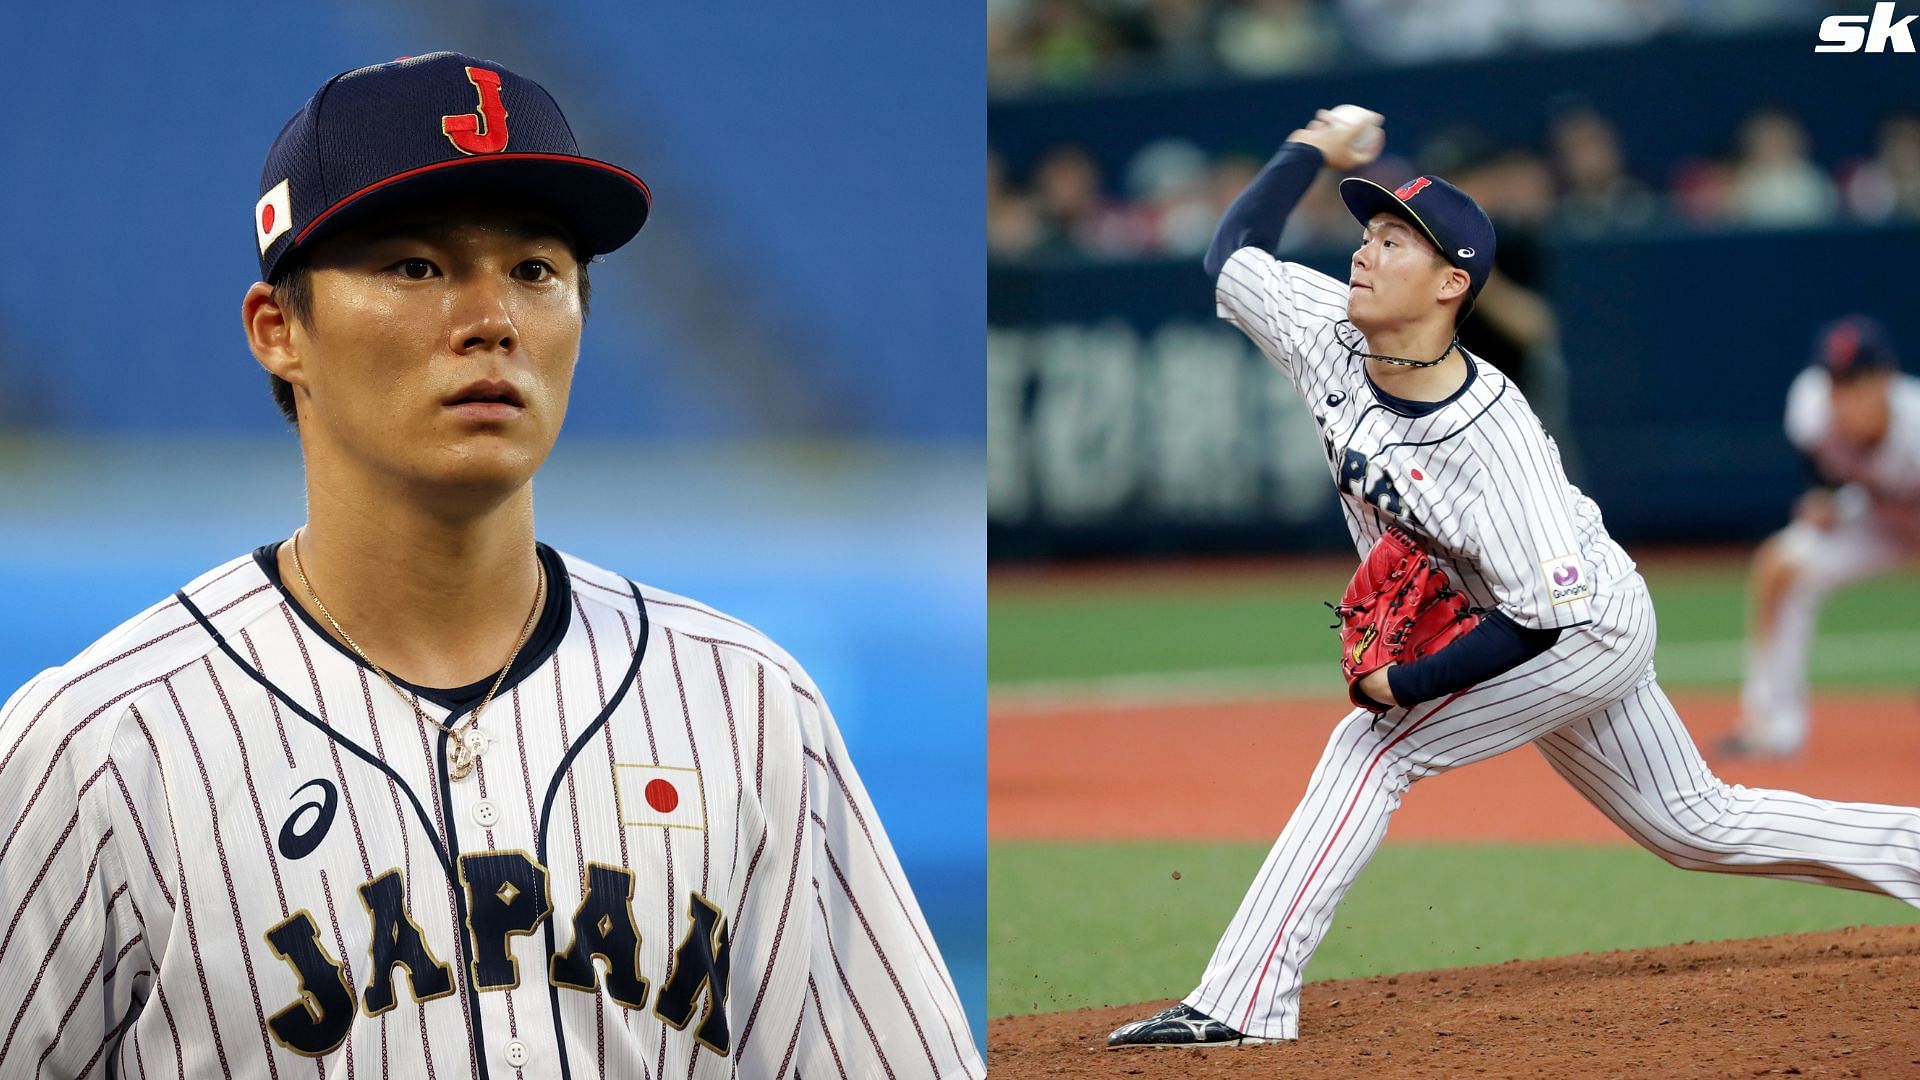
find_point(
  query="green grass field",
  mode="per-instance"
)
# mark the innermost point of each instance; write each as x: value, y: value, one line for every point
x: 1275, y: 623
x: 1076, y: 924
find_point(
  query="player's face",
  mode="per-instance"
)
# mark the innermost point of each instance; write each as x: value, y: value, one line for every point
x: 1396, y: 277
x: 442, y: 346
x: 1861, y: 407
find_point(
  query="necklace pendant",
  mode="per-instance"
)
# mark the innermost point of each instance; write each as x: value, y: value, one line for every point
x: 459, y: 759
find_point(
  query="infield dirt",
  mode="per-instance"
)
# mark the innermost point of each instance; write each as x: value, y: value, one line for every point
x: 1842, y: 1003
x: 1235, y: 771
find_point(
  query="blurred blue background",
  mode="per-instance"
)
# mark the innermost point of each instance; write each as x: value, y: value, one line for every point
x: 778, y: 409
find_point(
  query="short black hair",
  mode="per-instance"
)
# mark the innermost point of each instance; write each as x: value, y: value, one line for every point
x: 1466, y: 302
x: 293, y: 290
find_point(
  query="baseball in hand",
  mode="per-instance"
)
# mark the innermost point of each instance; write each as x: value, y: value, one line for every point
x: 1368, y: 138
x: 1348, y: 136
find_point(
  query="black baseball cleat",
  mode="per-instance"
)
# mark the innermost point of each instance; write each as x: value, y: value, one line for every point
x: 1182, y: 1025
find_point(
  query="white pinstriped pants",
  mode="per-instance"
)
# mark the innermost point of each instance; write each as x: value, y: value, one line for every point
x: 1860, y: 545
x: 1592, y: 706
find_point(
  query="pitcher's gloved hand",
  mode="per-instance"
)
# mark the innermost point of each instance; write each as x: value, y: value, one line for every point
x: 1399, y: 607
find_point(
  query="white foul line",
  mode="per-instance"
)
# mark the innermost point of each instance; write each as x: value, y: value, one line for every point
x: 1855, y: 653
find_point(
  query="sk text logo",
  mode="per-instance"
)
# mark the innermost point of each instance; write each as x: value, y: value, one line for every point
x: 1876, y: 33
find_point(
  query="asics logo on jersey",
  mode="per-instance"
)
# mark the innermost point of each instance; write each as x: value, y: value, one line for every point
x: 1874, y: 33
x: 302, y: 833
x: 483, y: 131
x: 1336, y: 397
x: 506, y: 896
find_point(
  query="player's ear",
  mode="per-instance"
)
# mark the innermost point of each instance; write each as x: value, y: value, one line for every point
x: 1456, y: 284
x: 269, y: 328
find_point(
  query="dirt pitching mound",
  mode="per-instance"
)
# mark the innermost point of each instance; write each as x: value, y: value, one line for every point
x: 1842, y: 1003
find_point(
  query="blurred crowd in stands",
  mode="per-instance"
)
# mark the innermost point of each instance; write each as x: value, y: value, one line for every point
x: 1065, y: 43
x: 1171, y: 193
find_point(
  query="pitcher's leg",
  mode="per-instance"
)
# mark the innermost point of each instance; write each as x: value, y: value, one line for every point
x: 1638, y: 765
x: 1252, y: 983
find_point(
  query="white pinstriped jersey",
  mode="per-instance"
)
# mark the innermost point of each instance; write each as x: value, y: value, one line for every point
x: 1476, y: 475
x: 231, y: 851
x: 1888, y: 472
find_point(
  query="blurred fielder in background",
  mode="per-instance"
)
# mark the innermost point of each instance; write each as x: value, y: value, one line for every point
x: 1856, y: 419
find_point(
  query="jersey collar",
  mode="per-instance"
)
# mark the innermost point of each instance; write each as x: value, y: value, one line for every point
x: 555, y: 616
x: 1411, y: 408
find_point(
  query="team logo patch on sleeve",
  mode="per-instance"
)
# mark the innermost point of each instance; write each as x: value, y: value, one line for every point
x: 1567, y: 579
x: 668, y: 796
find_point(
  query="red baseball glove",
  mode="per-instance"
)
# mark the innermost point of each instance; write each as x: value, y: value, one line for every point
x: 1398, y: 608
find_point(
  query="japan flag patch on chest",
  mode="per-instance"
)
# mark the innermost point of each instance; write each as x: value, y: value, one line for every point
x: 667, y: 796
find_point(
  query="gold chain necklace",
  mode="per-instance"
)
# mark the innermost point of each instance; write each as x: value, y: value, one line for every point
x: 462, y: 748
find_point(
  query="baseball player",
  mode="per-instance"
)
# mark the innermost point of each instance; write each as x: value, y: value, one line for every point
x: 409, y: 793
x: 1431, y: 443
x: 1856, y: 419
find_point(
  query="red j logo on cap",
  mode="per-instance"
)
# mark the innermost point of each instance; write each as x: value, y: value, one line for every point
x: 484, y: 131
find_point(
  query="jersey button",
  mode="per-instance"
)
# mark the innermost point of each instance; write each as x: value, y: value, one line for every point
x: 486, y: 814
x: 516, y: 1053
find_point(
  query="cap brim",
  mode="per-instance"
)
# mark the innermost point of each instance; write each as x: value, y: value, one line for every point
x: 1364, y: 199
x: 602, y: 205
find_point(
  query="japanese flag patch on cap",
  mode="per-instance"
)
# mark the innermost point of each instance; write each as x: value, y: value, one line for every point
x: 272, y: 215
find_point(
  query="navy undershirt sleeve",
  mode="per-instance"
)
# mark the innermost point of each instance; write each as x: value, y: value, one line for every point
x: 1258, y: 216
x: 1497, y: 645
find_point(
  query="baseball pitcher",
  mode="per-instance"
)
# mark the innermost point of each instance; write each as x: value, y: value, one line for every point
x: 1492, y: 609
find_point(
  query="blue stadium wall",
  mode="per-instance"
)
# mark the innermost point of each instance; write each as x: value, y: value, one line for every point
x: 790, y: 281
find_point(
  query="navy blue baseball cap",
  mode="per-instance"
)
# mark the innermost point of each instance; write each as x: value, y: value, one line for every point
x: 1851, y: 345
x: 1447, y: 216
x: 436, y: 125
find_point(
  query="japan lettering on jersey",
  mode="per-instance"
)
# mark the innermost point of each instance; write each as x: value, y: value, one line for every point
x: 1475, y: 475
x: 231, y: 851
